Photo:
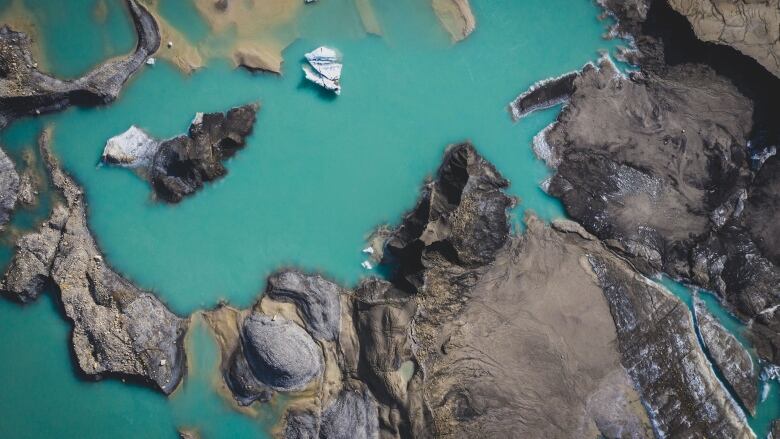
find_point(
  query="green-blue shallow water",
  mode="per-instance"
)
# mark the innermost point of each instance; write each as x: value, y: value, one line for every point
x: 317, y: 176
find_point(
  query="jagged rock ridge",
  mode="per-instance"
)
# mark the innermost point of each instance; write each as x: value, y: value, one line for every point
x: 118, y: 329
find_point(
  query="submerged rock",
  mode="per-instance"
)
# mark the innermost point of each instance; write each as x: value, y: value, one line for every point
x: 456, y: 17
x: 280, y: 353
x: 324, y: 68
x: 25, y: 91
x: 117, y: 327
x: 9, y: 188
x: 178, y: 167
x: 729, y: 356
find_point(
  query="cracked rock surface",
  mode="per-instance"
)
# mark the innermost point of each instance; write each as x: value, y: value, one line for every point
x: 750, y: 26
x: 118, y: 329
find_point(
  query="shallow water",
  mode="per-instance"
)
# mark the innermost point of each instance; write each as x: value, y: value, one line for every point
x: 317, y: 176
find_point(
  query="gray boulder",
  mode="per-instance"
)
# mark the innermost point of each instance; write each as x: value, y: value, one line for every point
x: 317, y: 300
x: 281, y: 354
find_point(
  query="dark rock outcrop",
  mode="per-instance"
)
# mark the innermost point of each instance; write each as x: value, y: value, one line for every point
x: 460, y: 216
x: 178, y: 167
x: 9, y: 188
x: 25, y: 91
x: 511, y: 336
x: 279, y: 353
x: 118, y: 329
x: 657, y: 165
x: 729, y: 356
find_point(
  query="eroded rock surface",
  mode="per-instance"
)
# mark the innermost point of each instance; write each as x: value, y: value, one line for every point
x: 280, y: 353
x: 729, y: 356
x: 482, y: 333
x: 25, y: 91
x: 178, y: 167
x: 317, y: 300
x: 9, y: 188
x: 752, y: 27
x: 657, y: 165
x: 118, y: 329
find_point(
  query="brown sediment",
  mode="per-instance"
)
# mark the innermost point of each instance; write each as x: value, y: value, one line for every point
x: 257, y: 31
x: 258, y: 57
x: 368, y: 17
x: 456, y: 17
x: 182, y: 53
x: 18, y: 17
x: 250, y: 34
x: 100, y: 12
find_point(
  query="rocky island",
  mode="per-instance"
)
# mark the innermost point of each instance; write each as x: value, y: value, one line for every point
x: 473, y: 325
x: 179, y: 166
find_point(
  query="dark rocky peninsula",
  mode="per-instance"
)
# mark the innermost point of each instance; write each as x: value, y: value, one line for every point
x: 661, y: 164
x: 480, y: 333
x: 118, y: 329
x: 26, y: 91
x: 178, y: 167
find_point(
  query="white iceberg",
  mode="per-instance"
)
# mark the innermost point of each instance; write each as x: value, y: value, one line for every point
x: 150, y: 61
x: 324, y: 68
x: 133, y: 149
x: 367, y: 265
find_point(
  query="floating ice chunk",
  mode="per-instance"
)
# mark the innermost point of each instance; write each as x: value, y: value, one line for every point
x: 367, y: 265
x: 133, y: 148
x: 150, y: 61
x: 369, y: 250
x: 324, y: 68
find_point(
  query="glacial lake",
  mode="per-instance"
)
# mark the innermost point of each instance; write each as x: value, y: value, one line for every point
x: 318, y: 175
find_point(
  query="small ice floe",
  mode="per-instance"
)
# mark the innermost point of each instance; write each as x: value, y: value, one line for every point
x: 309, y: 1
x: 150, y: 61
x: 369, y: 250
x: 133, y: 148
x: 324, y: 68
x: 367, y: 265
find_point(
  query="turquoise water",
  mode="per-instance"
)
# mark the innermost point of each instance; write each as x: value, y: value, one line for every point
x: 317, y: 176
x: 769, y: 407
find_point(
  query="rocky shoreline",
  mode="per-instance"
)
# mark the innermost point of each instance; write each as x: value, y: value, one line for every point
x: 477, y: 332
x: 118, y: 329
x: 657, y: 165
x: 25, y: 91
